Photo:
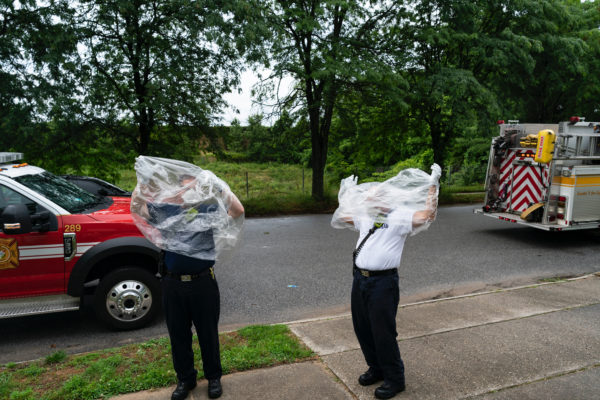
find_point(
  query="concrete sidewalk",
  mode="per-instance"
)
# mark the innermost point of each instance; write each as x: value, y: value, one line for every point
x: 538, y: 342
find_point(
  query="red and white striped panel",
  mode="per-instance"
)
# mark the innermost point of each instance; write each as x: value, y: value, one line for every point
x: 526, y: 187
x: 505, y: 175
x: 524, y: 183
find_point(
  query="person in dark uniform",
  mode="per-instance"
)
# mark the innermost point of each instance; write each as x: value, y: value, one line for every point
x: 191, y: 295
x: 375, y: 292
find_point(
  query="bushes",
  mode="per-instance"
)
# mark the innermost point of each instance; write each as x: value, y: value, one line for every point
x: 85, y: 149
x: 286, y: 141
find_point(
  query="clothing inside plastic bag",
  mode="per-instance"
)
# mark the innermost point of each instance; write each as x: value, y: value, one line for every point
x: 185, y: 209
x: 411, y: 190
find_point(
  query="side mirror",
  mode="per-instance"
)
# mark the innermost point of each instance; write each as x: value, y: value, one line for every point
x: 15, y: 219
x: 41, y: 221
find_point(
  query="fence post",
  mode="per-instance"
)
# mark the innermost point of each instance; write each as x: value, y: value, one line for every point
x: 247, y: 186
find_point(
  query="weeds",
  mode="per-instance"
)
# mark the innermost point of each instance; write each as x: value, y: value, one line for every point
x: 141, y: 366
x: 56, y: 357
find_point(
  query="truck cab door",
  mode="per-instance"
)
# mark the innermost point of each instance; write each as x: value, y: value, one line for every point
x: 32, y: 259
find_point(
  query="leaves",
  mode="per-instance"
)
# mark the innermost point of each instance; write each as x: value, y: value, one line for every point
x: 329, y: 48
x: 375, y: 83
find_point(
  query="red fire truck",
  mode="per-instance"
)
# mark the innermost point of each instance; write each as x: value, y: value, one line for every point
x: 545, y: 176
x: 59, y: 242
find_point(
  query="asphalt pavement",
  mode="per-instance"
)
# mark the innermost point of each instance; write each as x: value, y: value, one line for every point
x: 296, y: 267
x: 531, y: 342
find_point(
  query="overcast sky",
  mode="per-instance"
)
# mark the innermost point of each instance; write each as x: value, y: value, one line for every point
x: 243, y: 101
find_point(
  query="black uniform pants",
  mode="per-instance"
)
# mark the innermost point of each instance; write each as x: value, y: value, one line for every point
x: 196, y: 302
x: 374, y: 305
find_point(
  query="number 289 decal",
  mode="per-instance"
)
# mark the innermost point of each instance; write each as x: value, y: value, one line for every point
x: 73, y: 228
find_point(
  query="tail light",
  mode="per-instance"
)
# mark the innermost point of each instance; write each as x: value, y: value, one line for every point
x: 561, y: 207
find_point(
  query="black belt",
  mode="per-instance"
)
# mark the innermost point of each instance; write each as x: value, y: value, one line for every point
x: 191, y: 277
x: 367, y: 273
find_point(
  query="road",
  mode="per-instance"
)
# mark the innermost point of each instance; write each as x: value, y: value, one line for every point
x: 298, y: 267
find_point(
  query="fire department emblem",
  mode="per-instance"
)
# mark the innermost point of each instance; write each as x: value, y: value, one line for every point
x: 9, y: 254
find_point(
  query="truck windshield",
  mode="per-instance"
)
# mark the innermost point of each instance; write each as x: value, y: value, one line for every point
x: 67, y: 195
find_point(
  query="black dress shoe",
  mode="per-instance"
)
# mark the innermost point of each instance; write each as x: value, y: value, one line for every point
x: 387, y: 391
x: 182, y: 390
x: 214, y: 388
x: 370, y: 377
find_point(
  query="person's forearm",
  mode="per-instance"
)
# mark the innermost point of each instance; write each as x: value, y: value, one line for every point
x: 431, y: 202
x: 235, y: 207
x: 429, y: 213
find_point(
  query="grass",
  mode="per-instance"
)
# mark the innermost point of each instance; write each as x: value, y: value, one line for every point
x: 263, y: 179
x: 143, y: 366
x: 461, y: 194
x: 280, y: 189
x: 263, y: 188
x: 447, y: 198
x: 56, y: 357
x: 553, y: 280
x: 463, y: 189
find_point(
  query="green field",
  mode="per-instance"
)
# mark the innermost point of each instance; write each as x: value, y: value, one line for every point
x: 249, y: 180
x: 277, y: 189
x: 263, y: 188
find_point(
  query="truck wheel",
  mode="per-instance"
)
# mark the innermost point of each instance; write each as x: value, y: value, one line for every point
x: 127, y: 298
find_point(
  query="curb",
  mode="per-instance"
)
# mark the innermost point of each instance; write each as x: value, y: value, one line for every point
x: 462, y: 296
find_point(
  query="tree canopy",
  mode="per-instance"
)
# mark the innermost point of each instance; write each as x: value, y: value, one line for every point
x: 328, y: 47
x: 378, y: 85
x: 165, y: 62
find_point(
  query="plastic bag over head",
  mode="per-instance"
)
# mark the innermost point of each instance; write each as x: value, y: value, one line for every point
x: 185, y: 209
x: 410, y: 192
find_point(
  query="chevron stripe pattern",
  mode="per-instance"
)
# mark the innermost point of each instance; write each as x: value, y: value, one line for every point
x: 524, y: 183
x: 527, y: 187
x: 505, y: 175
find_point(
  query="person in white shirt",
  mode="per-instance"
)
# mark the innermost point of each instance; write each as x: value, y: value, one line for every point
x: 375, y: 290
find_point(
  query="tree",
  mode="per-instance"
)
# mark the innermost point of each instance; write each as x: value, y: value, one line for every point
x: 445, y: 95
x: 291, y: 139
x: 544, y: 59
x: 476, y: 60
x: 565, y: 71
x: 327, y: 47
x: 588, y: 94
x: 153, y: 63
x: 32, y: 44
x: 370, y: 132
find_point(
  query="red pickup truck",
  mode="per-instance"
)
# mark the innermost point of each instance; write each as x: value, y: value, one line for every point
x: 59, y: 242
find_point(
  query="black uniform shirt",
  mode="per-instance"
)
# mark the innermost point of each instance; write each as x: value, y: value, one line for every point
x: 199, y: 241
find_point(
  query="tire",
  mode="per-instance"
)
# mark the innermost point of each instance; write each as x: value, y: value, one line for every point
x: 127, y: 298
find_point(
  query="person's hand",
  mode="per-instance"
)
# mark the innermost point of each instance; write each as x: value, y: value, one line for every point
x: 347, y: 183
x: 436, y: 173
x: 350, y: 181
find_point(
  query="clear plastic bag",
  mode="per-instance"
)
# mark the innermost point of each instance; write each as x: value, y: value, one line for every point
x: 185, y: 209
x: 411, y: 190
